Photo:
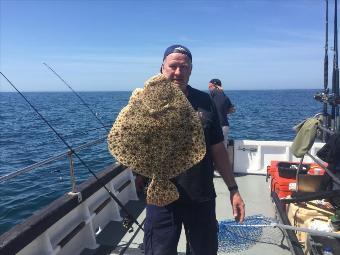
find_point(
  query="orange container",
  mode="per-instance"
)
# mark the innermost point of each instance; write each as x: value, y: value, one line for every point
x: 283, y: 175
x: 315, y: 169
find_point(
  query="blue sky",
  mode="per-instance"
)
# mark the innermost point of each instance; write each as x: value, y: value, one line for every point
x: 117, y: 45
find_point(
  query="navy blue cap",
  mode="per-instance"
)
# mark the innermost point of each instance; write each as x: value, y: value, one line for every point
x: 216, y: 82
x: 177, y: 48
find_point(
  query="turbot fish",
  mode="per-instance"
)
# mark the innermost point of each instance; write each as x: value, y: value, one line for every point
x: 158, y: 135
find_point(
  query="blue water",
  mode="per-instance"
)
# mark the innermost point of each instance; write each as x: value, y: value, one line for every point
x: 25, y: 139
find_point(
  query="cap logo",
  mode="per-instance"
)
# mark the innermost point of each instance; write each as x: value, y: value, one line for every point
x: 180, y: 49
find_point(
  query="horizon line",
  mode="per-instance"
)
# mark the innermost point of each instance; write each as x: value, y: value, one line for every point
x: 89, y: 91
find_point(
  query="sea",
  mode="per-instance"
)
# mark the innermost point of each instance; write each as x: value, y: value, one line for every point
x: 25, y: 139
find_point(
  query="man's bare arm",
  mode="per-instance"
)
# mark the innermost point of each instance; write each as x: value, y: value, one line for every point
x: 223, y: 166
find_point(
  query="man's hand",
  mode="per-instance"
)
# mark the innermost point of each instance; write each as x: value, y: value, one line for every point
x: 238, y: 206
x: 231, y: 110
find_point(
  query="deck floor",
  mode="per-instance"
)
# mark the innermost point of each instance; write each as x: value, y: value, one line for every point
x: 255, y: 192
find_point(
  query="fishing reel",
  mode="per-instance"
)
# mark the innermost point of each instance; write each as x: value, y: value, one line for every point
x: 322, y: 96
x: 127, y: 223
x: 325, y: 97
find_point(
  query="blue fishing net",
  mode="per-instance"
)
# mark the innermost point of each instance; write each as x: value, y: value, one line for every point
x: 235, y: 237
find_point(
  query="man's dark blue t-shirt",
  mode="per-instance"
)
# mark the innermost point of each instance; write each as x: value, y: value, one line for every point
x: 196, y: 184
x: 223, y: 104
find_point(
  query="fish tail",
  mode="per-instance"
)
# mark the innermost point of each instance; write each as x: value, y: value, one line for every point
x: 161, y: 192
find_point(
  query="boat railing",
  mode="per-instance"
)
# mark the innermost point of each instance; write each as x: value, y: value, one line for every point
x: 68, y: 154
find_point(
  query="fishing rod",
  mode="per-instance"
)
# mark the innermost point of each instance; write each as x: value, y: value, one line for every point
x: 335, y: 76
x: 130, y: 217
x: 81, y: 99
x: 330, y: 121
x: 337, y: 66
x: 325, y: 83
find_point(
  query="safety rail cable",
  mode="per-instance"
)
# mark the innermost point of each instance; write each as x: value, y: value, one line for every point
x: 49, y: 160
x: 86, y: 131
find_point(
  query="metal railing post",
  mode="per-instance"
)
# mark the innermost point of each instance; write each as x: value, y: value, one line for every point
x: 72, y: 177
x: 74, y: 191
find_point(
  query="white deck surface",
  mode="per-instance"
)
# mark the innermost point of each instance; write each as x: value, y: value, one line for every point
x: 256, y: 194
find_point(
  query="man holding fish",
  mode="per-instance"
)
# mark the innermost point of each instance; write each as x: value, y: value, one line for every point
x: 195, y: 208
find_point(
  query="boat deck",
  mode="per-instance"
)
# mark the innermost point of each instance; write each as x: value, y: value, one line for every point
x: 256, y: 194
